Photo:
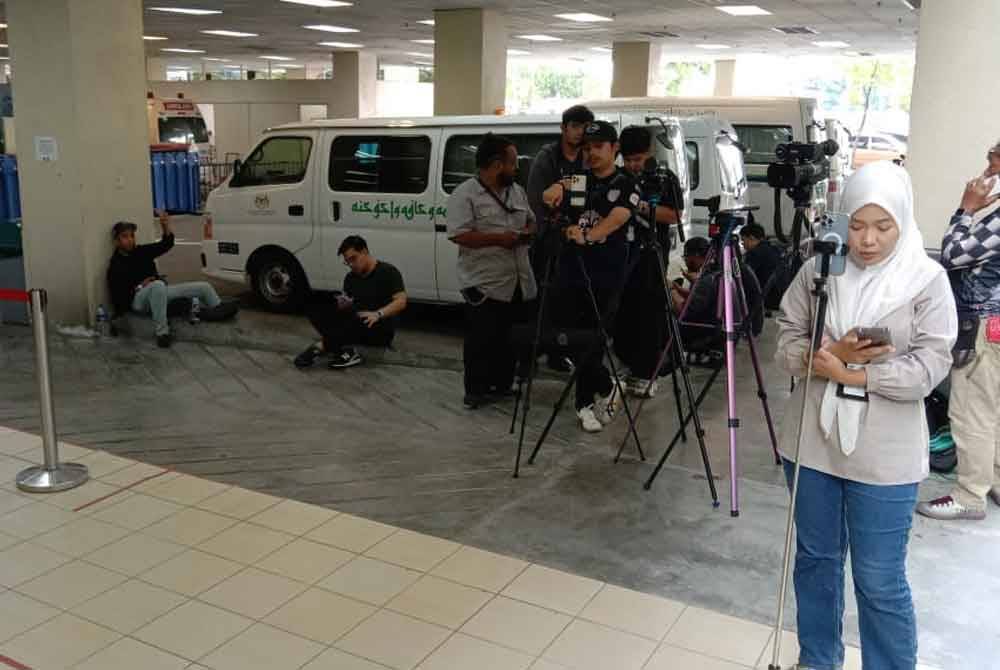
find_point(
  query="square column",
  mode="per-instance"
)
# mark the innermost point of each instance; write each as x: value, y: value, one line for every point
x: 725, y: 77
x: 83, y: 142
x: 470, y: 61
x: 636, y: 66
x: 352, y: 93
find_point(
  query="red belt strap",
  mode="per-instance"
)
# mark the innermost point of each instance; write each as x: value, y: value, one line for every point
x: 13, y: 295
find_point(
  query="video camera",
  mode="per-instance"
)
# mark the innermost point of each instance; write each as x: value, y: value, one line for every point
x: 800, y: 165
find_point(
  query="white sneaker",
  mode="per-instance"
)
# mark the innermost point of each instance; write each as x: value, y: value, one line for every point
x: 588, y: 421
x: 641, y: 388
x: 949, y: 509
x: 606, y: 408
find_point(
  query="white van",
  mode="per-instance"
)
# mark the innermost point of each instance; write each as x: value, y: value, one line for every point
x: 177, y: 121
x: 714, y: 164
x: 278, y: 222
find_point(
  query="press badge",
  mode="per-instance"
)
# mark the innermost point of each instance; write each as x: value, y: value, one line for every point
x: 858, y: 393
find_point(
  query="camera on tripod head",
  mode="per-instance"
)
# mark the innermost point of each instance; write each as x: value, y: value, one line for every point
x: 800, y: 166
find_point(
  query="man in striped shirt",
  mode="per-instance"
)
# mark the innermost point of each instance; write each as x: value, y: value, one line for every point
x: 971, y: 252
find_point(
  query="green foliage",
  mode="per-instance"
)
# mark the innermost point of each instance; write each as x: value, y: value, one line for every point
x: 676, y: 74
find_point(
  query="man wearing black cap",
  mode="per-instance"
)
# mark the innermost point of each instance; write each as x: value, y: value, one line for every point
x: 137, y: 286
x: 596, y: 259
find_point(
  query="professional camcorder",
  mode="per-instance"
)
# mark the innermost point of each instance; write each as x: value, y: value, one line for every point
x: 801, y: 164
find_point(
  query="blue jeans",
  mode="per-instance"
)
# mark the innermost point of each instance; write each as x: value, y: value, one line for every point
x: 873, y: 522
x: 153, y: 298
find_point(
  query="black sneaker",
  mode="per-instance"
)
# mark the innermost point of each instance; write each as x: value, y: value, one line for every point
x: 475, y: 401
x: 308, y: 357
x: 164, y: 341
x: 226, y: 309
x: 347, y: 358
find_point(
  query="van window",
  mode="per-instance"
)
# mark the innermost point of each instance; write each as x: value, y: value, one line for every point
x: 460, y: 157
x: 730, y: 166
x: 183, y: 130
x: 760, y: 141
x: 380, y: 164
x: 666, y: 150
x: 276, y: 160
x: 694, y: 164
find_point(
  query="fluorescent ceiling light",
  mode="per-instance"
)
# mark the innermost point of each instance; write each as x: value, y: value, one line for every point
x: 419, y: 54
x: 603, y: 50
x: 287, y: 66
x: 320, y: 3
x: 743, y: 10
x: 422, y: 41
x: 218, y: 60
x: 153, y: 37
x: 583, y: 17
x: 540, y: 38
x: 229, y: 33
x: 184, y: 51
x: 418, y: 62
x: 277, y: 58
x: 852, y: 54
x: 3, y: 46
x: 4, y: 58
x: 712, y: 46
x: 913, y: 5
x: 3, y: 25
x: 186, y: 10
x: 341, y: 45
x: 331, y: 29
x: 832, y: 44
x: 427, y: 22
x: 518, y: 52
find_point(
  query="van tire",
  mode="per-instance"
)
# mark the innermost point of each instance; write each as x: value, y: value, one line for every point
x: 278, y: 281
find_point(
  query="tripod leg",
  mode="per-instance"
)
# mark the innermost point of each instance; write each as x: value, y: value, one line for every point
x: 677, y: 399
x: 625, y: 403
x: 555, y: 412
x: 517, y: 405
x: 731, y: 336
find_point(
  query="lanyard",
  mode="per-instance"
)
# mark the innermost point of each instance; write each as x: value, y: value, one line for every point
x: 503, y: 203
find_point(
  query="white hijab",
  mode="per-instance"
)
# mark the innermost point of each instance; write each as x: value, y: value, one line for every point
x: 863, y: 296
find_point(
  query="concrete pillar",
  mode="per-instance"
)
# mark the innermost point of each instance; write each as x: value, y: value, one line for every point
x: 156, y: 68
x: 84, y: 150
x: 725, y: 77
x: 951, y: 111
x: 636, y: 66
x: 352, y: 89
x: 470, y: 61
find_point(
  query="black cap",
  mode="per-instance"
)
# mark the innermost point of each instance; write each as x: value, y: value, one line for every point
x: 600, y: 131
x: 696, y: 246
x: 121, y: 227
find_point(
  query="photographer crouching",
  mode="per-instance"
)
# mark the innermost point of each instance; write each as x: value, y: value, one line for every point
x: 641, y: 324
x: 593, y: 268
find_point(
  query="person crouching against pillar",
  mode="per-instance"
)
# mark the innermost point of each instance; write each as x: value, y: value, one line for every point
x: 490, y: 221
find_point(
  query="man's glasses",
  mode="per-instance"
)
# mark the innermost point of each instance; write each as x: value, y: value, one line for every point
x: 350, y: 261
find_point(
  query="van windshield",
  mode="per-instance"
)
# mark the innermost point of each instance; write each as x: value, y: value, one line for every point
x: 731, y: 166
x: 667, y: 149
x: 760, y: 141
x: 183, y: 130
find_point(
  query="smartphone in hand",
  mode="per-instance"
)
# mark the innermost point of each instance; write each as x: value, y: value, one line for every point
x: 878, y: 336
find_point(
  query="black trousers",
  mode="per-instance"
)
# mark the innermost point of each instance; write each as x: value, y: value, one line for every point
x: 341, y: 328
x: 573, y: 309
x: 489, y: 353
x: 641, y: 323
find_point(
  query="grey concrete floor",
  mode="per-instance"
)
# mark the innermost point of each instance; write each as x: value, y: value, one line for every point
x: 391, y: 442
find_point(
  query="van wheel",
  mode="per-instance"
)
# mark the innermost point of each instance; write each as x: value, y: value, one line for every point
x: 279, y: 282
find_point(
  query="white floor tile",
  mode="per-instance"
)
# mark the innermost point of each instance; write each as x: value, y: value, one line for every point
x: 238, y: 503
x: 517, y: 625
x: 132, y: 475
x: 672, y: 658
x: 440, y: 601
x: 23, y: 562
x: 186, y: 490
x: 253, y: 593
x: 129, y: 606
x: 11, y: 501
x: 190, y: 527
x: 100, y: 463
x: 461, y: 652
x: 589, y: 646
x: 136, y: 511
x: 480, y: 569
x: 134, y: 554
x: 412, y: 640
x: 246, y: 543
x: 19, y: 613
x: 81, y: 495
x: 263, y: 647
x: 370, y: 581
x: 351, y: 533
x: 320, y: 615
x: 719, y: 636
x: 81, y: 536
x: 306, y: 561
x: 128, y: 654
x: 7, y: 541
x: 291, y: 516
x: 416, y: 551
x: 191, y: 572
x: 334, y: 659
x: 58, y: 643
x: 193, y: 629
x: 69, y: 585
x: 33, y: 520
x: 553, y: 589
x: 633, y: 612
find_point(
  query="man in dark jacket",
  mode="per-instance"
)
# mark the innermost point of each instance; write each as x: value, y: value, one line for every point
x: 136, y: 285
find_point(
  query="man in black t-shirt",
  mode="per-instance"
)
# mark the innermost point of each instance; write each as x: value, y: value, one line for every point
x: 763, y: 257
x: 365, y: 313
x: 597, y: 256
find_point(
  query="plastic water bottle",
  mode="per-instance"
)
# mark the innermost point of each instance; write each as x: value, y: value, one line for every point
x: 103, y: 322
x: 195, y: 315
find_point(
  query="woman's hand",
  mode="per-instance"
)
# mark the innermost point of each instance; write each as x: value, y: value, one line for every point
x: 849, y: 349
x: 828, y: 366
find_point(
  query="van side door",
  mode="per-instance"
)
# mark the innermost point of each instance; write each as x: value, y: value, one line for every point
x: 379, y: 186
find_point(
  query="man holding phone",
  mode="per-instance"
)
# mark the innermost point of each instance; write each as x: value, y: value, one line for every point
x: 365, y: 313
x: 490, y: 221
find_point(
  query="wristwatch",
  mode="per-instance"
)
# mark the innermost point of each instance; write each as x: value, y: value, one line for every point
x: 586, y: 239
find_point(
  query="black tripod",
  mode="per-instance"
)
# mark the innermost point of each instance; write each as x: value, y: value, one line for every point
x: 675, y: 347
x: 603, y: 338
x: 727, y: 247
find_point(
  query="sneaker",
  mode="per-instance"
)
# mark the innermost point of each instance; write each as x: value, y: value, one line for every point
x: 606, y: 409
x: 347, y: 358
x: 226, y: 309
x: 474, y: 401
x: 308, y: 357
x: 164, y: 341
x: 641, y: 388
x: 949, y: 509
x: 995, y: 495
x: 588, y: 420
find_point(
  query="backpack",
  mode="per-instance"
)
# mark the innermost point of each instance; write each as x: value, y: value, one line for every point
x: 782, y: 278
x: 943, y: 455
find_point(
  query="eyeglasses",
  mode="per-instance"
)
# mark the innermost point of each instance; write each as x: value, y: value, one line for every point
x: 349, y: 262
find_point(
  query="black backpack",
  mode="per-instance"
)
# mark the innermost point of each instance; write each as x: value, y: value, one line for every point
x: 782, y: 278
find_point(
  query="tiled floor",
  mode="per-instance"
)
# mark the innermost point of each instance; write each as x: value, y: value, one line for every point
x: 144, y: 568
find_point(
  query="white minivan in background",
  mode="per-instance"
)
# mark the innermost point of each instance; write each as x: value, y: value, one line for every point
x: 278, y: 222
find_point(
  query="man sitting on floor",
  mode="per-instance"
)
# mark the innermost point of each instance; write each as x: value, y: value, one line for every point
x: 136, y: 285
x: 364, y: 313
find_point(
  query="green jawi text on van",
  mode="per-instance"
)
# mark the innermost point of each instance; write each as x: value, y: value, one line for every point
x: 394, y: 210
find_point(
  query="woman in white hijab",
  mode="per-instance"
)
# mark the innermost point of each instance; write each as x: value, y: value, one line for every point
x: 865, y: 445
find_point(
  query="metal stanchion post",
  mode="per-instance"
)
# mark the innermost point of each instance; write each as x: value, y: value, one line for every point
x: 53, y: 476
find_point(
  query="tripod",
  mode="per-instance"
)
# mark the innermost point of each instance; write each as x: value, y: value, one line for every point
x: 602, y: 335
x: 826, y: 250
x: 727, y: 246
